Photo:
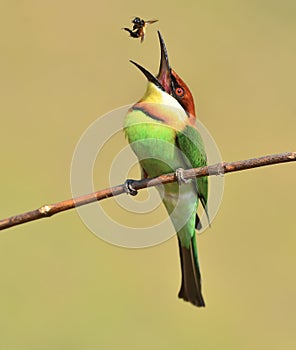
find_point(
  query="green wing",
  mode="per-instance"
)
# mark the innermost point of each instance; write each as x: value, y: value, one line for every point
x: 192, y: 147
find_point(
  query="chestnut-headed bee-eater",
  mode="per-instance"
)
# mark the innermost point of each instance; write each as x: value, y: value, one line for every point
x: 162, y: 132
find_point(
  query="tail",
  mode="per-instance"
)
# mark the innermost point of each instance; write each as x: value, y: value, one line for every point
x: 191, y: 279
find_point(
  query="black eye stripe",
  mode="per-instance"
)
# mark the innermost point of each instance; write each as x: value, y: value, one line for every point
x: 176, y: 86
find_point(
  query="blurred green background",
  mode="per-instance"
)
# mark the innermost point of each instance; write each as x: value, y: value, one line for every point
x: 63, y: 64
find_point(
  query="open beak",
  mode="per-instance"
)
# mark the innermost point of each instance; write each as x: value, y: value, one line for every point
x: 163, y: 79
x: 148, y: 75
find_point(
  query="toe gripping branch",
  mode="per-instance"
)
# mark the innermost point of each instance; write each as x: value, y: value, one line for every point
x: 128, y: 188
x: 179, y: 174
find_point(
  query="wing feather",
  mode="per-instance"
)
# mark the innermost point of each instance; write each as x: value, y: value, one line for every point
x: 190, y: 143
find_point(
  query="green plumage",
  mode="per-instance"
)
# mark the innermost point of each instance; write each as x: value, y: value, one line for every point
x: 162, y: 148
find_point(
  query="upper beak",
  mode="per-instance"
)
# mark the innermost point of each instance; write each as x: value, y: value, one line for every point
x: 163, y: 79
x: 164, y: 74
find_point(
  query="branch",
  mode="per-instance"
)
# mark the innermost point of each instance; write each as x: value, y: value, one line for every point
x: 216, y: 169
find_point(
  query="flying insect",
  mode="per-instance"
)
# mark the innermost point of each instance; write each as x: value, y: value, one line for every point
x: 139, y: 28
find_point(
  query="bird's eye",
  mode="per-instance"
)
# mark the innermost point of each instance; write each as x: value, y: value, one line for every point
x: 179, y: 92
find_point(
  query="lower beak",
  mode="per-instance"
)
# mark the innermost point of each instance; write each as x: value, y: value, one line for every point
x: 164, y: 77
x: 148, y: 75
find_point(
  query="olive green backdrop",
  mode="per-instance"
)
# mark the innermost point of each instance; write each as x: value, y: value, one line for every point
x: 63, y: 64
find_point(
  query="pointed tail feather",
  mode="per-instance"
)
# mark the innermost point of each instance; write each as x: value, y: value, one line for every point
x: 198, y: 224
x: 191, y: 279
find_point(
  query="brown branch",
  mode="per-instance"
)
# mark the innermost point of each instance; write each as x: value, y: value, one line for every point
x: 216, y: 169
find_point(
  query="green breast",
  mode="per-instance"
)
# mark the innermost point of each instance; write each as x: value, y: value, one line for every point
x: 153, y: 142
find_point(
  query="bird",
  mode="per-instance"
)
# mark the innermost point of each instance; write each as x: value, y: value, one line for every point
x: 161, y: 131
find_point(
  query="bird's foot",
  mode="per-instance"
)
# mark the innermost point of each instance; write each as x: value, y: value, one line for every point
x: 179, y: 174
x: 128, y: 188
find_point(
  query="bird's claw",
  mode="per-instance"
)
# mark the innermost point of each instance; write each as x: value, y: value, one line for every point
x: 179, y: 173
x: 128, y: 188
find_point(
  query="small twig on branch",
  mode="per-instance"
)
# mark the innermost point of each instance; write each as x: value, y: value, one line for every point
x: 216, y: 169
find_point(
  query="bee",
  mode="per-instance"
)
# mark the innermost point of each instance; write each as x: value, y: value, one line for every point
x: 139, y: 28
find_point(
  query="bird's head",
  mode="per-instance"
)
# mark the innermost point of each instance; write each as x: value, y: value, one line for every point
x: 168, y: 80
